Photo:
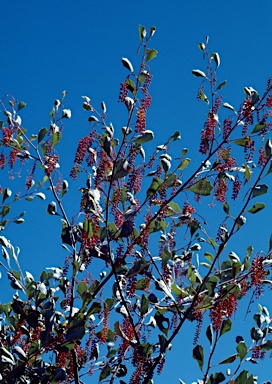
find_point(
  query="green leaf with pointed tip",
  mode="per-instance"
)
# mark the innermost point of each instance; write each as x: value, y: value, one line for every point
x: 201, y: 46
x: 184, y: 164
x: 270, y: 168
x: 256, y: 208
x: 209, y: 333
x: 5, y: 210
x: 131, y: 86
x: 198, y: 73
x: 270, y: 243
x: 202, y: 187
x: 260, y: 189
x: 228, y: 106
x: 33, y: 137
x: 226, y: 208
x: 56, y: 138
x: 175, y: 136
x: 106, y: 371
x: 151, y: 54
x: 21, y: 105
x: 241, y: 142
x: 203, y: 97
x: 142, y: 32
x: 19, y: 221
x: 41, y: 134
x: 155, y: 185
x: 147, y: 136
x: 198, y: 355
x: 166, y: 256
x: 215, y: 56
x: 229, y: 359
x: 225, y: 327
x: 258, y: 127
x: 174, y: 206
x: 144, y: 305
x: 208, y: 256
x: 6, y: 193
x: 267, y: 346
x: 221, y: 85
x: 241, y: 349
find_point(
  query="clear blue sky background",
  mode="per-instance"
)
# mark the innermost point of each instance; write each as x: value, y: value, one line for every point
x: 50, y: 46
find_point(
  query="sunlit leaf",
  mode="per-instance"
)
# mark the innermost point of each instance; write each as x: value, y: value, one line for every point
x: 151, y: 54
x: 256, y: 208
x: 221, y: 85
x: 260, y: 189
x: 202, y: 187
x: 198, y: 73
x: 198, y: 355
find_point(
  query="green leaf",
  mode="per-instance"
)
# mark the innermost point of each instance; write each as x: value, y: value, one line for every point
x: 151, y: 54
x: 82, y: 288
x: 241, y: 142
x: 215, y: 56
x: 106, y: 371
x: 226, y: 208
x: 202, y: 187
x: 201, y: 46
x: 208, y: 256
x: 145, y: 138
x: 174, y: 206
x: 228, y: 106
x: 242, y: 378
x: 142, y: 32
x: 33, y: 137
x: 184, y: 164
x: 241, y: 349
x: 5, y: 210
x: 209, y: 333
x: 127, y: 64
x: 267, y: 346
x: 21, y: 105
x: 166, y: 255
x: 259, y: 190
x: 144, y: 305
x: 229, y: 359
x: 56, y: 138
x: 270, y: 243
x: 198, y: 73
x: 6, y: 193
x: 225, y: 327
x: 175, y: 136
x: 95, y: 308
x: 204, y: 97
x: 221, y: 85
x: 76, y: 331
x: 198, y: 355
x: 268, y: 148
x: 20, y: 220
x: 162, y: 321
x: 131, y: 86
x: 137, y: 267
x: 41, y: 134
x: 256, y: 208
x: 258, y: 127
x: 155, y: 185
x: 270, y: 168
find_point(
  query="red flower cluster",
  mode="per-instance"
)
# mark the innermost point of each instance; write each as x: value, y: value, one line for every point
x: 257, y: 275
x: 7, y: 134
x: 123, y: 92
x: 237, y: 185
x: 140, y: 124
x: 12, y: 157
x: 226, y: 128
x: 2, y: 161
x: 221, y: 190
x: 207, y: 134
x: 223, y: 308
x: 262, y: 159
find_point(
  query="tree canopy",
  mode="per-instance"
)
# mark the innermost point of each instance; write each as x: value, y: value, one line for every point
x: 144, y: 255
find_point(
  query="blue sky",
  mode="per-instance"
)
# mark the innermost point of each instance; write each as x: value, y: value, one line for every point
x: 50, y: 46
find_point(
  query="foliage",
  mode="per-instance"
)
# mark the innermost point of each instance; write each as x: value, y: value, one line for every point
x: 138, y: 219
